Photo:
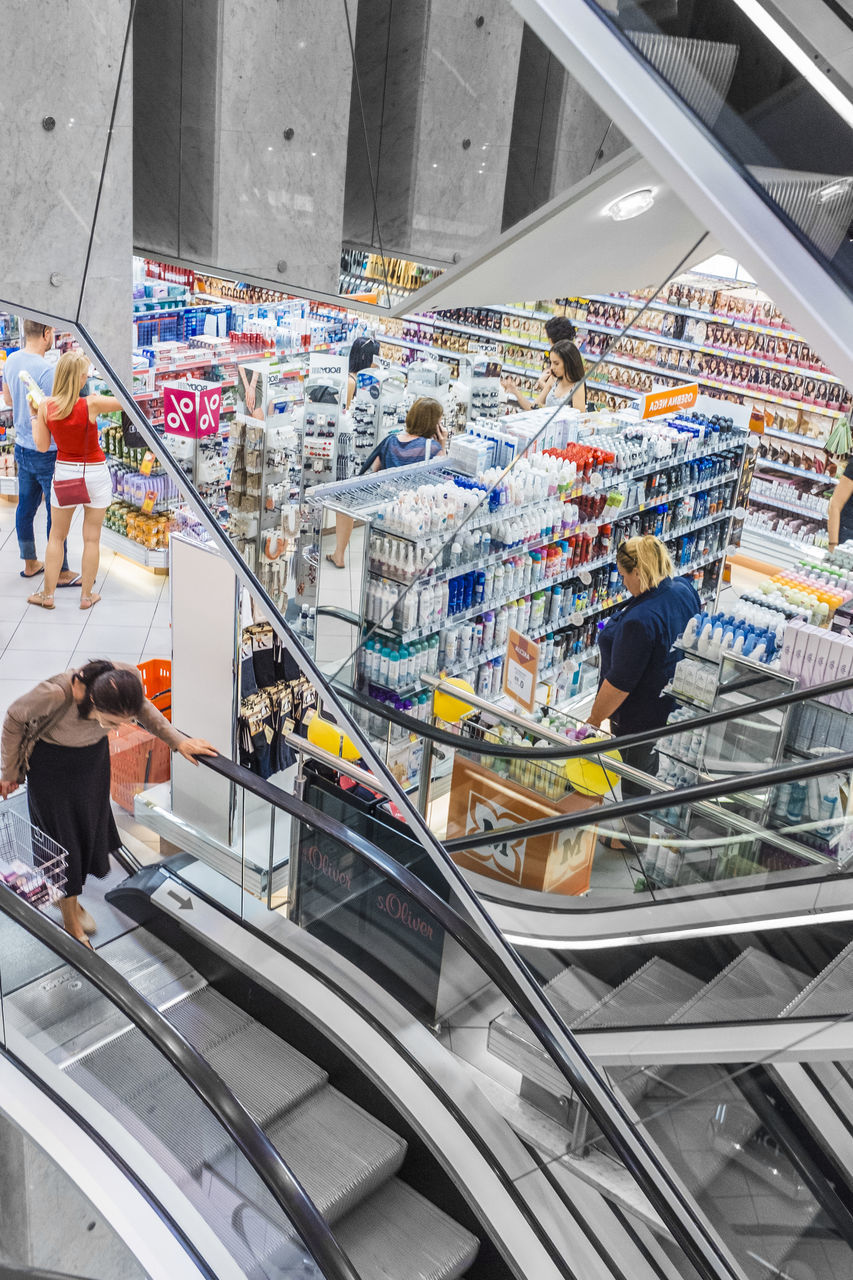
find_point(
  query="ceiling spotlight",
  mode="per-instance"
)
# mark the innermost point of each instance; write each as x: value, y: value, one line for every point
x: 632, y: 205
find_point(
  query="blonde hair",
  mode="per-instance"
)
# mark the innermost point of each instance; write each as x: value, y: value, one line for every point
x: 423, y: 418
x: 648, y: 555
x: 66, y: 383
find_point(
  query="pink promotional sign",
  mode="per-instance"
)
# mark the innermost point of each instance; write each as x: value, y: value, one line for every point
x: 191, y: 409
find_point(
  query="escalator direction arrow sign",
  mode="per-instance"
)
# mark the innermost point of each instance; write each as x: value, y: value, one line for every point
x: 184, y: 903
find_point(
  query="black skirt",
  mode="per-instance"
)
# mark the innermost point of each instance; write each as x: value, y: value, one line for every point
x: 68, y: 790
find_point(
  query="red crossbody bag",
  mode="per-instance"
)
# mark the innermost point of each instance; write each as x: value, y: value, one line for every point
x: 75, y: 493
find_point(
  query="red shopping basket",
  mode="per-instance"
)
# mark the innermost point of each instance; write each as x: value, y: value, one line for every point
x: 157, y: 684
x: 137, y: 758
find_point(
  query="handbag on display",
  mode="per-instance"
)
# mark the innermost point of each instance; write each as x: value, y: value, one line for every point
x: 74, y: 493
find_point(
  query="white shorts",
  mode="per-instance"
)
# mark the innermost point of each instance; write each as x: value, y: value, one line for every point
x: 98, y: 482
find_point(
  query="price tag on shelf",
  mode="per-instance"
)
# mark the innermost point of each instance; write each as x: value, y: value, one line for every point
x: 576, y: 619
x: 147, y: 464
x: 521, y: 669
x: 585, y: 577
x: 149, y: 501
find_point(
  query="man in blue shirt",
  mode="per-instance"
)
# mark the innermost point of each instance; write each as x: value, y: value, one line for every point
x: 35, y: 470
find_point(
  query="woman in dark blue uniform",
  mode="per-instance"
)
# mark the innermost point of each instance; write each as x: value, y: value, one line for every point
x: 636, y: 647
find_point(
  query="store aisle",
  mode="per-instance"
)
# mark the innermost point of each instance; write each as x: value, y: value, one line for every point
x: 130, y: 624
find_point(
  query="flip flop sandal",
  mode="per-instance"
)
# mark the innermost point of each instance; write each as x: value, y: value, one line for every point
x: 32, y: 575
x: 41, y: 600
x: 75, y: 582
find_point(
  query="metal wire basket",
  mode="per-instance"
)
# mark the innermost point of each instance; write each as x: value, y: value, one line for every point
x: 31, y: 863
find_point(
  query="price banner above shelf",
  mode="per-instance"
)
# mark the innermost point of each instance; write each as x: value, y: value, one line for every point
x: 657, y: 404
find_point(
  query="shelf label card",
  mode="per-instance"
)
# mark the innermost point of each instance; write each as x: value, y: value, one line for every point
x: 521, y: 669
x: 656, y: 404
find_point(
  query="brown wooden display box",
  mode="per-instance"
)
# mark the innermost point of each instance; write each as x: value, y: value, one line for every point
x: 560, y: 862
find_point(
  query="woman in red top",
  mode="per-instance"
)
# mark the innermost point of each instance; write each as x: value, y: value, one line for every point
x: 71, y: 421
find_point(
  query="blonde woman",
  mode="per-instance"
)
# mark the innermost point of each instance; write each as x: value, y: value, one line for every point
x: 636, y: 647
x: 69, y: 420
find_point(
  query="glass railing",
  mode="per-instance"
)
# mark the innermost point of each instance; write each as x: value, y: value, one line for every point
x: 387, y: 913
x: 768, y: 84
x: 155, y: 1102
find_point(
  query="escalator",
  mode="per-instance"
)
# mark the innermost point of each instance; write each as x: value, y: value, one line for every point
x: 728, y: 1031
x: 746, y: 108
x: 346, y: 1159
x: 415, y: 1172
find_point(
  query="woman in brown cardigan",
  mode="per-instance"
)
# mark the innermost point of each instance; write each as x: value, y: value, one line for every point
x: 55, y: 736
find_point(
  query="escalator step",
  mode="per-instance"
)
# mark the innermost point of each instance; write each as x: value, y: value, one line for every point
x: 263, y: 1071
x: 574, y: 991
x: 648, y: 998
x: 398, y: 1235
x: 753, y: 986
x: 63, y: 1016
x: 339, y: 1153
x: 829, y: 994
x: 130, y: 1077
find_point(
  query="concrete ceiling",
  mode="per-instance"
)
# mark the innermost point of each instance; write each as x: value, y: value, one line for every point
x: 571, y: 247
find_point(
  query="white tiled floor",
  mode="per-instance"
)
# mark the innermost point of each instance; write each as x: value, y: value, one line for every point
x: 130, y: 624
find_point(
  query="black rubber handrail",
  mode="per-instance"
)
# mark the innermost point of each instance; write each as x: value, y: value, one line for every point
x: 244, y: 1131
x: 504, y: 751
x: 577, y: 1069
x: 711, y: 790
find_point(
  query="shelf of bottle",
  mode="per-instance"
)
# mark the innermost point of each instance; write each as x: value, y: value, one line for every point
x: 585, y: 490
x: 818, y: 476
x: 685, y: 697
x: 547, y: 584
x: 798, y: 509
x: 134, y: 550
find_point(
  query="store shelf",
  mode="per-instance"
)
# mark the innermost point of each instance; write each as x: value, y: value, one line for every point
x: 818, y: 477
x: 733, y: 321
x: 9, y: 486
x: 134, y: 550
x: 774, y: 548
x: 815, y: 441
x: 806, y: 512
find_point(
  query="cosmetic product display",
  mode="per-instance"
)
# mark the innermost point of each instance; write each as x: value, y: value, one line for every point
x: 457, y: 561
x: 727, y: 336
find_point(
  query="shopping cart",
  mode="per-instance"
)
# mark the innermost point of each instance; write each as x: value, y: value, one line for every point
x: 31, y: 863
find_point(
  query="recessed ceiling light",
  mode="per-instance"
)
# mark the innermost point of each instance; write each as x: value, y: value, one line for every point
x: 632, y: 205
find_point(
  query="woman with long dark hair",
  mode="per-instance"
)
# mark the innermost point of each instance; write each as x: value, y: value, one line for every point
x: 55, y: 737
x: 564, y: 377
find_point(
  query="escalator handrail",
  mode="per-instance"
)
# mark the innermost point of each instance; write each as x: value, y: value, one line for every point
x: 700, y: 791
x: 572, y: 1062
x: 570, y: 751
x: 246, y: 1134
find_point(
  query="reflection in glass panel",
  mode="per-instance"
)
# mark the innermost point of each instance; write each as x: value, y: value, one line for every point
x: 79, y: 1042
x: 770, y: 84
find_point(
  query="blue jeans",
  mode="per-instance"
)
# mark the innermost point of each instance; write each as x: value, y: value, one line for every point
x: 35, y: 476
